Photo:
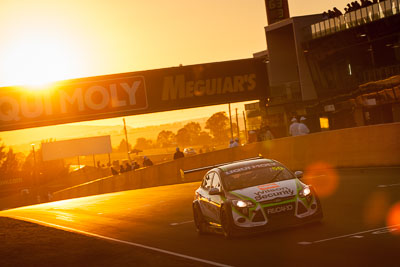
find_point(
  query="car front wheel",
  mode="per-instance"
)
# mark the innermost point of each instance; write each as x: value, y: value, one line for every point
x: 199, y: 221
x: 226, y: 223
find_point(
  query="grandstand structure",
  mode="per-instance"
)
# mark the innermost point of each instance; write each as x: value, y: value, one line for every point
x: 338, y: 72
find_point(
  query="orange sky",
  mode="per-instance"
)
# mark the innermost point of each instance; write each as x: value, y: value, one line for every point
x: 47, y: 40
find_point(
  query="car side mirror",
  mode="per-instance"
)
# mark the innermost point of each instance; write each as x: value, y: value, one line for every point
x: 214, y: 191
x: 298, y: 174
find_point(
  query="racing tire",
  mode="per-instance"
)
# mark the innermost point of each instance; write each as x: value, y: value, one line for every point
x: 320, y: 212
x: 199, y: 221
x: 226, y: 224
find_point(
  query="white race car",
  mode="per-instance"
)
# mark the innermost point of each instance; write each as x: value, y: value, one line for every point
x: 253, y: 195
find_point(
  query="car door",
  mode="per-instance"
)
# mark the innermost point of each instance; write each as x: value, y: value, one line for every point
x: 204, y: 197
x: 215, y: 201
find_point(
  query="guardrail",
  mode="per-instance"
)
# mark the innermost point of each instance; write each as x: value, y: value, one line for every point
x: 356, y: 18
x: 367, y: 146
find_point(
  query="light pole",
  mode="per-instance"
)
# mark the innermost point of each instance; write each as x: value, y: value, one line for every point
x: 34, y: 156
x: 230, y: 120
x: 127, y: 144
x: 34, y: 170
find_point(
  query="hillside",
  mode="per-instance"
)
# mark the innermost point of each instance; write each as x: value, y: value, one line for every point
x: 21, y: 140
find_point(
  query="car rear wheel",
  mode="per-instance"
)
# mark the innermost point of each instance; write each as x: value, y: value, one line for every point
x: 199, y: 221
x: 227, y: 229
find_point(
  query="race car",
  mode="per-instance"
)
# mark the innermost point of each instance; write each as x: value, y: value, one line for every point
x: 253, y: 195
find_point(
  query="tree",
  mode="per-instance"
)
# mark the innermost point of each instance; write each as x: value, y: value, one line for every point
x: 10, y: 165
x: 218, y: 124
x: 143, y: 143
x: 39, y: 171
x: 166, y: 139
x: 122, y: 146
x: 193, y: 130
x: 2, y: 152
x: 183, y: 137
x: 204, y: 138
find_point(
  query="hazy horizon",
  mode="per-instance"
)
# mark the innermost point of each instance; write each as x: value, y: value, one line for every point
x: 137, y: 35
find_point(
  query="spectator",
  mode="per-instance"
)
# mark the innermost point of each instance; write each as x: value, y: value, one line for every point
x: 325, y: 15
x: 294, y: 127
x: 128, y: 167
x: 365, y: 3
x: 356, y: 5
x: 266, y: 134
x: 338, y: 13
x: 230, y: 143
x: 178, y: 154
x: 121, y: 169
x: 147, y: 162
x: 252, y: 136
x: 236, y: 142
x: 303, y: 129
x: 114, y: 171
x: 350, y: 8
x: 135, y: 165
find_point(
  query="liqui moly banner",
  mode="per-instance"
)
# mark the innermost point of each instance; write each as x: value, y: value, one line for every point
x: 133, y: 93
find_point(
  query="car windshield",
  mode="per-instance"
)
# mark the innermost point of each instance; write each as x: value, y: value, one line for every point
x: 249, y: 176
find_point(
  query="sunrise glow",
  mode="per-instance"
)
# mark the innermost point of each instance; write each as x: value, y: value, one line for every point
x: 36, y: 60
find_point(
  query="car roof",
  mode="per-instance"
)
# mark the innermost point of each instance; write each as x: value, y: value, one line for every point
x: 245, y: 163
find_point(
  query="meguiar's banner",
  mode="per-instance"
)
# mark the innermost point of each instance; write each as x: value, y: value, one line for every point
x: 133, y: 93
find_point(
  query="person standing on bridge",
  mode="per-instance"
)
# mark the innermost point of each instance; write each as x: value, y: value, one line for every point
x: 113, y: 171
x: 294, y: 127
x: 230, y: 143
x: 235, y: 142
x: 178, y: 154
x: 303, y: 129
x: 128, y: 167
x: 147, y: 162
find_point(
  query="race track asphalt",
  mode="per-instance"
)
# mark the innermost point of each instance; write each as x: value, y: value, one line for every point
x: 361, y: 225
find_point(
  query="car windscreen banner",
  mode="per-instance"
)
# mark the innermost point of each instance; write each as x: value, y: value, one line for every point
x: 133, y: 93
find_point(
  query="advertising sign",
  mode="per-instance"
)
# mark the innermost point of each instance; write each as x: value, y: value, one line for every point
x: 76, y: 147
x: 133, y: 93
x: 277, y: 10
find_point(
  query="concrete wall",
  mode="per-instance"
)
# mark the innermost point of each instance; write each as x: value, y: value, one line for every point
x: 367, y: 146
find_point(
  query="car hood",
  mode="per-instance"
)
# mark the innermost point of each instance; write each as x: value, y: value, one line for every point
x: 266, y: 192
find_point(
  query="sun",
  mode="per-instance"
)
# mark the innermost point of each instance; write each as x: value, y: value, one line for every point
x: 38, y: 59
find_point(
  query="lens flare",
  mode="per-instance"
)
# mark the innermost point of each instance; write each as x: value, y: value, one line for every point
x: 393, y: 217
x: 375, y: 209
x: 322, y: 177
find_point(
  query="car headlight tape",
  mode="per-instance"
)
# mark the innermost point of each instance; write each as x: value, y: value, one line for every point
x: 242, y: 203
x: 306, y: 191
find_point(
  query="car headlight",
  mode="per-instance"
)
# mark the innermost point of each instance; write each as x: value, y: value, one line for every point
x: 243, y: 203
x: 306, y: 191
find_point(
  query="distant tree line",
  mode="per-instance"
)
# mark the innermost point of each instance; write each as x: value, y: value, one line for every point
x: 215, y: 132
x: 31, y: 168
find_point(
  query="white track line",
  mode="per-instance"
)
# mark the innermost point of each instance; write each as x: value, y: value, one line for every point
x: 388, y: 185
x: 121, y: 241
x: 342, y: 236
x: 179, y: 223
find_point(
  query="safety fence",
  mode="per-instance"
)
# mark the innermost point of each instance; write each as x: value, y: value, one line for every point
x: 356, y: 18
x: 367, y: 146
